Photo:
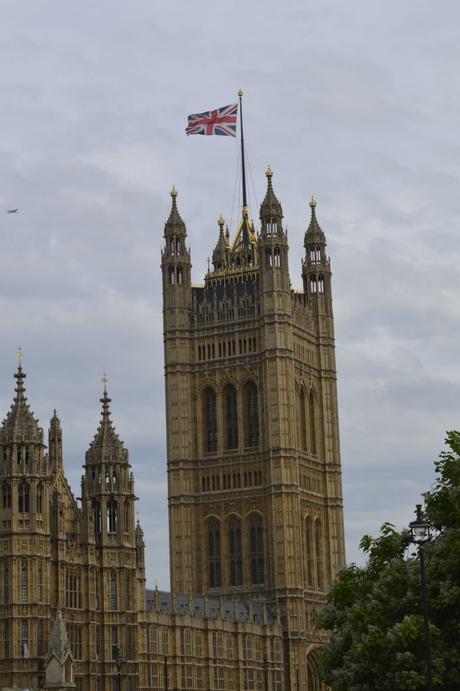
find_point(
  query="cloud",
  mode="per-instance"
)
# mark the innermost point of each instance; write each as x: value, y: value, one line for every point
x: 354, y: 104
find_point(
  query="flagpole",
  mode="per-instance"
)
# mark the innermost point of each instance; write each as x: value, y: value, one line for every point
x: 243, y: 169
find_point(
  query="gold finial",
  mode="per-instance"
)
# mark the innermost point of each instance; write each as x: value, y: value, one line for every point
x: 240, y: 93
x: 245, y: 212
x: 221, y: 221
x: 173, y: 192
x: 269, y: 172
x: 312, y: 202
x: 19, y: 355
x: 104, y: 381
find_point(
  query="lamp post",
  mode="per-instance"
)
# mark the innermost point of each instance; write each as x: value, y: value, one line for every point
x: 421, y: 534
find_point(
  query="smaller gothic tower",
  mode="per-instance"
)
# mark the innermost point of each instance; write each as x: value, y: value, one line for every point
x: 273, y: 246
x: 55, y: 443
x: 316, y: 269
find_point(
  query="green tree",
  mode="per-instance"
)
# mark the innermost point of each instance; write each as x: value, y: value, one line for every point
x: 374, y: 614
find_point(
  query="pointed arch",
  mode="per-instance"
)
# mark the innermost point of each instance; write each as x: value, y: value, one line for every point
x: 23, y: 497
x: 251, y: 414
x: 312, y: 416
x: 209, y: 420
x: 302, y: 419
x: 235, y: 550
x: 314, y: 683
x: 230, y: 417
x: 256, y: 548
x: 214, y: 554
x: 112, y: 516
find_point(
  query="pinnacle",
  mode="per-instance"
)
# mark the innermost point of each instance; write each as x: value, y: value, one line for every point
x: 106, y: 442
x: 314, y: 232
x: 20, y: 423
x: 270, y: 207
x: 174, y: 219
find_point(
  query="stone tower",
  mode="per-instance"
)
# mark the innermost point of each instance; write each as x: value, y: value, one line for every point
x: 254, y: 479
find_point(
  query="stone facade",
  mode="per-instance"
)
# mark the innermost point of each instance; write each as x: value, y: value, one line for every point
x: 256, y: 528
x: 255, y: 494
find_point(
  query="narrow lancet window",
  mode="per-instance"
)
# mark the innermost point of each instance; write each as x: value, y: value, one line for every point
x: 235, y: 551
x: 231, y: 417
x: 257, y: 549
x: 214, y: 559
x: 210, y: 420
x: 251, y: 415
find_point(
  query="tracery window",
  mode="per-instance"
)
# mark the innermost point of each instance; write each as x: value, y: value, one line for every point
x: 23, y: 498
x: 97, y: 518
x: 112, y: 516
x: 231, y: 417
x: 210, y: 420
x: 235, y: 551
x: 25, y: 638
x: 251, y: 414
x: 256, y: 543
x: 127, y: 516
x: 6, y: 585
x: 214, y: 558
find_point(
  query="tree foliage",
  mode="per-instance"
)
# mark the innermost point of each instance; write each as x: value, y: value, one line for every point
x: 374, y: 614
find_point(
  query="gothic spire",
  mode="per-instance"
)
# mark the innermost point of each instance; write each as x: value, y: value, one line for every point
x: 59, y: 642
x: 20, y: 424
x: 270, y: 209
x: 314, y: 234
x: 220, y: 251
x: 106, y: 444
x: 174, y: 225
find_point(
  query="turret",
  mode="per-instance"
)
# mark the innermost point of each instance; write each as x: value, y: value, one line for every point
x: 175, y: 257
x: 108, y: 484
x: 273, y: 246
x: 220, y: 254
x: 316, y: 269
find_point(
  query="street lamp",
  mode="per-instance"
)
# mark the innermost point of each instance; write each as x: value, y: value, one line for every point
x: 420, y: 530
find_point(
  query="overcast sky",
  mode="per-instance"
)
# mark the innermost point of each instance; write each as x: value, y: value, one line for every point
x: 357, y: 103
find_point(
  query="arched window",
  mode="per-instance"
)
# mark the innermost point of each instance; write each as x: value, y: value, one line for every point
x: 113, y: 591
x: 314, y: 683
x: 235, y: 551
x: 24, y: 583
x: 309, y: 551
x: 210, y: 420
x: 319, y: 554
x: 231, y: 417
x: 214, y: 564
x: 39, y: 498
x: 23, y: 498
x: 6, y: 495
x: 256, y: 549
x: 277, y: 257
x: 302, y: 420
x: 171, y: 275
x: 251, y: 414
x: 312, y: 422
x: 112, y: 516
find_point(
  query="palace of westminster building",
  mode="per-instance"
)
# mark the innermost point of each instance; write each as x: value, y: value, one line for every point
x: 254, y: 485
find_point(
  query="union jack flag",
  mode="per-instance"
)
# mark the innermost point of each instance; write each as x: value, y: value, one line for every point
x: 220, y: 121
